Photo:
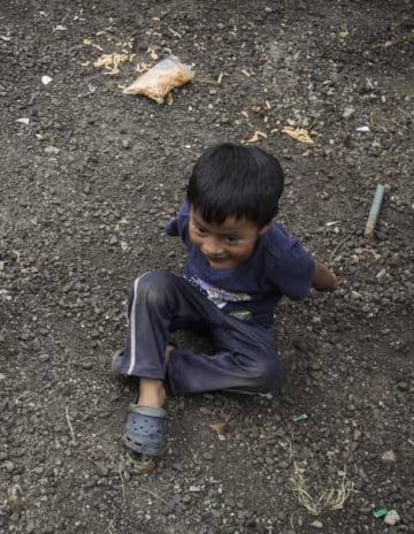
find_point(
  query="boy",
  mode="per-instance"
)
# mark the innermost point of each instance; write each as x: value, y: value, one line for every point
x: 239, y: 266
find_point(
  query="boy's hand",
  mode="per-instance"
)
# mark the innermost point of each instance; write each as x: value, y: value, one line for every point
x: 323, y: 278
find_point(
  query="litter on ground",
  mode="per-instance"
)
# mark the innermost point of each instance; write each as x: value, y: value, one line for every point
x: 300, y: 134
x: 161, y: 79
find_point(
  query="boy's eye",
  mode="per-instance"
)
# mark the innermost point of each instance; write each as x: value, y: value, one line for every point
x: 233, y: 238
x: 200, y: 229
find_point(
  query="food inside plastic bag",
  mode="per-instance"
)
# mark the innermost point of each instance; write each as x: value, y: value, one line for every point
x: 158, y: 81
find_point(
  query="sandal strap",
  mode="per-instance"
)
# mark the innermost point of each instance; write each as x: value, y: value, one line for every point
x: 147, y: 410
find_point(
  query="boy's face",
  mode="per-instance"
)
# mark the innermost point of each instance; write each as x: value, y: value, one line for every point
x: 224, y: 245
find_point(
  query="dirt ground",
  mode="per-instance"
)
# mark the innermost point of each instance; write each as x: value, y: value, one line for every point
x: 89, y: 177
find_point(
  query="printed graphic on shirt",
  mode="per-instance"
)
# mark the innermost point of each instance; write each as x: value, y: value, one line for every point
x: 219, y: 297
x: 243, y: 315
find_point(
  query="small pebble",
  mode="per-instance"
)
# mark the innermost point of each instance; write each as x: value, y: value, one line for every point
x: 348, y: 112
x: 9, y: 466
x: 46, y: 79
x: 388, y: 457
x: 392, y: 518
x: 317, y: 524
x: 52, y: 150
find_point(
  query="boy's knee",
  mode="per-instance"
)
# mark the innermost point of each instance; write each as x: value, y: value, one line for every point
x: 154, y: 287
x: 267, y: 375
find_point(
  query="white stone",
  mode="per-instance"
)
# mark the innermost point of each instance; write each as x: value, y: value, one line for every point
x: 52, y: 150
x: 388, y: 457
x: 348, y: 112
x: 46, y: 80
x: 392, y: 518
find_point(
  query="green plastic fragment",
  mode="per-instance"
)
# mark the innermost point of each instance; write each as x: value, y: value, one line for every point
x: 300, y: 417
x: 380, y: 512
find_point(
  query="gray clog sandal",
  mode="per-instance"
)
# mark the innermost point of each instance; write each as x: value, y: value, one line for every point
x: 144, y: 431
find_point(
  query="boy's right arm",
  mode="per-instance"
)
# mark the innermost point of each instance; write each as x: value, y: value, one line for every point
x: 178, y: 226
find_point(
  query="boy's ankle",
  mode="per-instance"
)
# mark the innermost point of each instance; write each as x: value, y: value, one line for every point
x: 152, y: 393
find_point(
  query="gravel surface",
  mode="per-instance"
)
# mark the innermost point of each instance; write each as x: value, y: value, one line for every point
x: 89, y: 177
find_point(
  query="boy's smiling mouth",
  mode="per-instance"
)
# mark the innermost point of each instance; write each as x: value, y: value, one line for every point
x: 216, y: 262
x: 216, y: 259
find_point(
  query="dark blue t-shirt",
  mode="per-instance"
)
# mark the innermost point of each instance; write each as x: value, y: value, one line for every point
x: 278, y: 266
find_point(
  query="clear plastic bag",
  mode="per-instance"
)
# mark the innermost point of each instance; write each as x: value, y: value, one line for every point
x: 161, y: 79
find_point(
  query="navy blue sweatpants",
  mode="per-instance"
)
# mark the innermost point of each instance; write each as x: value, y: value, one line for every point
x: 160, y: 303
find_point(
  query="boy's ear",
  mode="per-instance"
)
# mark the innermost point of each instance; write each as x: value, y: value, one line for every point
x: 264, y: 229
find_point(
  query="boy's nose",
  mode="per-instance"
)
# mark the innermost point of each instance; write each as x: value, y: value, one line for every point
x: 212, y: 247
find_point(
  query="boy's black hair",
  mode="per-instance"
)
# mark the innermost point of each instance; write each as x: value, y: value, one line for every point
x: 232, y: 180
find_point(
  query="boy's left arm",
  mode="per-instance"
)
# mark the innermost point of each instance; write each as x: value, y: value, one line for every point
x: 323, y: 278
